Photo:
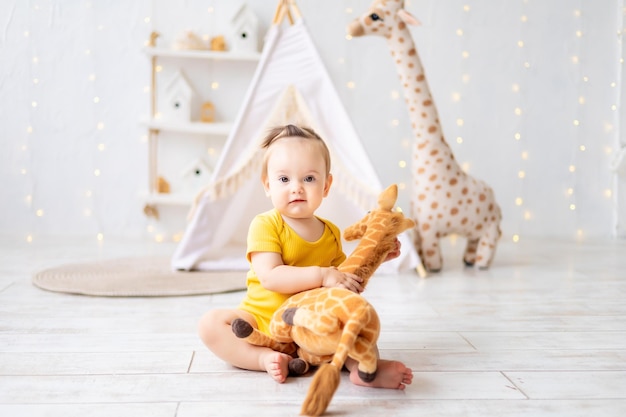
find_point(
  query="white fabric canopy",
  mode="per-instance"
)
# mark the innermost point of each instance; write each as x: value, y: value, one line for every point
x: 290, y: 85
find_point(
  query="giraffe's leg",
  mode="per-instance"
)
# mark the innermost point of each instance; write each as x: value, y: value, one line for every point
x: 243, y: 330
x: 431, y: 253
x: 487, y: 246
x: 365, y: 353
x: 469, y: 257
x: 298, y: 366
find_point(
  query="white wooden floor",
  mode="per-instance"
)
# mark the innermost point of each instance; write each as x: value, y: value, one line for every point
x: 543, y: 333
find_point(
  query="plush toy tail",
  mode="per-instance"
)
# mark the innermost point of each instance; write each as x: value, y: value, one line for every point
x: 321, y: 390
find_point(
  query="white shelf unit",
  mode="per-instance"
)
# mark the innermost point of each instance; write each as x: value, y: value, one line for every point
x: 157, y: 127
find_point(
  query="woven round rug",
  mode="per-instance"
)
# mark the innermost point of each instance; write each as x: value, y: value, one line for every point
x: 136, y: 277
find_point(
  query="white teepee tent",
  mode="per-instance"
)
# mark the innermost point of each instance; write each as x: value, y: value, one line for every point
x: 292, y: 80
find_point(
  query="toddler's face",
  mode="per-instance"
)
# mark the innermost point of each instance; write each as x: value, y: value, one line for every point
x: 296, y: 177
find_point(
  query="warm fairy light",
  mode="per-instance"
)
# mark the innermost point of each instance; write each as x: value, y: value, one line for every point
x: 521, y: 174
x: 520, y: 44
x: 39, y: 213
x: 465, y: 54
x: 518, y: 111
x: 96, y: 172
x: 515, y: 88
x: 395, y: 94
x: 459, y: 32
x: 517, y: 136
x: 608, y: 193
x: 23, y: 171
x: 395, y: 122
x: 34, y: 104
x: 527, y: 215
x: 524, y: 19
x: 465, y: 78
x: 87, y: 212
x: 96, y: 100
x: 579, y: 33
x: 35, y: 80
x: 570, y: 191
x: 100, y: 237
x: 215, y: 85
x: 581, y: 100
x: 572, y: 207
x: 87, y: 51
x: 466, y: 8
x: 350, y: 84
x: 29, y: 129
x: 582, y: 148
x: 146, y: 19
x: 572, y: 168
x: 92, y: 77
x: 515, y: 238
x: 613, y: 107
x: 158, y: 238
x: 576, y: 122
x: 577, y: 12
x: 101, y: 147
x: 211, y: 9
x: 459, y: 140
x: 158, y: 68
x: 100, y: 126
x: 35, y: 60
x: 525, y: 155
x: 465, y: 166
x: 459, y: 122
x: 348, y: 10
x: 456, y: 97
x: 519, y: 201
x: 527, y: 65
x: 402, y: 164
x: 575, y: 59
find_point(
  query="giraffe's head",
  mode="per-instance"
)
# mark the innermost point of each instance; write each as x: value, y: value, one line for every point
x: 382, y: 18
x: 378, y: 231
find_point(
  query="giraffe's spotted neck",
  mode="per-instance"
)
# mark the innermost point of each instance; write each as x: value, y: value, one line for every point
x: 422, y: 110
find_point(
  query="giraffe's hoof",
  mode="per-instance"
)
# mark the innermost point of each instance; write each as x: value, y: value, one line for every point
x: 241, y: 328
x: 367, y: 377
x: 288, y: 315
x: 298, y: 367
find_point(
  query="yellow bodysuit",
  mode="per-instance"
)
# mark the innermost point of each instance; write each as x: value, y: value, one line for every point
x: 269, y: 233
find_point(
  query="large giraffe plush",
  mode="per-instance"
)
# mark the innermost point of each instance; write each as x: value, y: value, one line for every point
x: 445, y: 200
x: 328, y: 325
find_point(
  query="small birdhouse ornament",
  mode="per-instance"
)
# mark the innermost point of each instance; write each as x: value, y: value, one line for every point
x: 196, y: 176
x: 245, y: 26
x: 180, y: 99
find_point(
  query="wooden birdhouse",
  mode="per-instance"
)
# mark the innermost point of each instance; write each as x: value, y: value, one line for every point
x: 180, y: 99
x: 245, y: 28
x: 196, y: 176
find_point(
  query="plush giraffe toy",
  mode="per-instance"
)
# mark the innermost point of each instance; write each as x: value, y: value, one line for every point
x: 331, y: 324
x: 445, y: 199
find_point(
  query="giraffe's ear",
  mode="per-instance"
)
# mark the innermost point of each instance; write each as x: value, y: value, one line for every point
x: 408, y: 18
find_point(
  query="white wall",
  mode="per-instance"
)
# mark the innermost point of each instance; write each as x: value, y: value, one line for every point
x: 74, y: 85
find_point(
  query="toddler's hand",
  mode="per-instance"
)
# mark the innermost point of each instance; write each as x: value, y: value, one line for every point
x: 394, y: 253
x: 333, y: 278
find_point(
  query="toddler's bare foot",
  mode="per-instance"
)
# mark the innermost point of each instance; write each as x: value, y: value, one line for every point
x: 277, y: 365
x: 390, y: 374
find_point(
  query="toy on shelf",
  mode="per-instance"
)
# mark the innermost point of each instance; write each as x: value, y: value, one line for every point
x: 445, y: 200
x: 207, y: 112
x: 188, y: 40
x: 162, y: 186
x: 180, y: 99
x: 245, y: 28
x: 218, y: 43
x: 328, y: 325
